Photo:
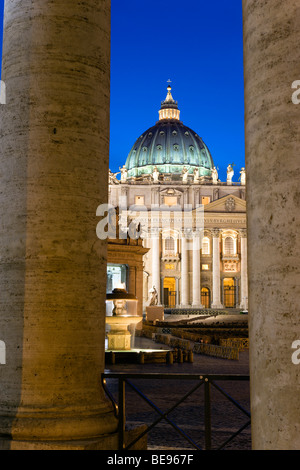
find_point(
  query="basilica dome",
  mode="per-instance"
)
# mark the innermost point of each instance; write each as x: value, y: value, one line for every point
x: 170, y: 146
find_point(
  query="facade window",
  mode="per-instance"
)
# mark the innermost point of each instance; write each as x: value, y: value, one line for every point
x: 205, y: 267
x: 206, y: 246
x: 139, y: 200
x: 170, y: 244
x: 229, y: 246
x: 170, y: 200
x: 169, y: 247
x: 205, y: 200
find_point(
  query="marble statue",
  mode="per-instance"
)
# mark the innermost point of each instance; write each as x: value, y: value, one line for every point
x: 215, y: 176
x: 184, y: 175
x: 123, y: 174
x: 153, y: 297
x: 112, y: 178
x: 155, y: 175
x: 230, y: 174
x: 196, y: 175
x: 243, y: 176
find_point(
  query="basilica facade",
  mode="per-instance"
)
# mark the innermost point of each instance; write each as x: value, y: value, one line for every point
x: 193, y: 224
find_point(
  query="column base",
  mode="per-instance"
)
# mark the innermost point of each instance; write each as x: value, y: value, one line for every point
x: 217, y: 306
x: 243, y: 307
x: 107, y: 442
x: 198, y: 306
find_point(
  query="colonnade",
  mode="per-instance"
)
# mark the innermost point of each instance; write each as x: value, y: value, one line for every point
x: 54, y: 172
x: 191, y: 241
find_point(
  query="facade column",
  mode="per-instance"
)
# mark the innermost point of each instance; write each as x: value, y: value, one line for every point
x: 162, y: 279
x: 155, y: 253
x: 244, y: 277
x: 197, y: 269
x: 177, y: 291
x: 184, y: 270
x: 271, y: 60
x: 54, y: 175
x: 216, y: 300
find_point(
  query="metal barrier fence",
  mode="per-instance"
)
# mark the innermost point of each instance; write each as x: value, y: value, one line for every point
x: 207, y: 381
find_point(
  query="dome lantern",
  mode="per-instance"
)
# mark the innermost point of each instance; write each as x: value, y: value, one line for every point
x: 169, y: 107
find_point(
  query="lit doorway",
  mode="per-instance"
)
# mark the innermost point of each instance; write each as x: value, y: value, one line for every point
x: 205, y: 297
x: 169, y: 292
x: 229, y: 293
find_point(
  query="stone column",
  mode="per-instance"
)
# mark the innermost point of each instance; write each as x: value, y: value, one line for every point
x: 155, y: 236
x: 177, y: 291
x: 216, y: 301
x: 54, y: 136
x: 197, y: 270
x: 271, y: 48
x: 244, y: 277
x: 184, y: 271
x: 162, y: 279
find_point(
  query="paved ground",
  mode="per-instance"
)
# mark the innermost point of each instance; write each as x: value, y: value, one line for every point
x: 189, y: 416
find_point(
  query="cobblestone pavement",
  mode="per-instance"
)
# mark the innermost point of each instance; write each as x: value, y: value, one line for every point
x: 189, y: 416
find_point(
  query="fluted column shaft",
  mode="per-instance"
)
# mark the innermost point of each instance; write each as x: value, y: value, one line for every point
x: 244, y: 277
x: 156, y: 278
x: 184, y: 271
x: 197, y: 270
x: 216, y: 300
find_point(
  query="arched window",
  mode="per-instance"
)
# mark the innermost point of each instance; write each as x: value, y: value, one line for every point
x: 205, y: 246
x: 229, y: 246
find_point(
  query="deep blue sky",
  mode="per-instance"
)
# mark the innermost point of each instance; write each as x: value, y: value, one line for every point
x: 198, y: 45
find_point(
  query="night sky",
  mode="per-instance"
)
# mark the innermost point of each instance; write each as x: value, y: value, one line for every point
x: 198, y: 45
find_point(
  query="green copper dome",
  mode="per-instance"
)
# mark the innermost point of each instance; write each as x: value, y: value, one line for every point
x: 170, y: 146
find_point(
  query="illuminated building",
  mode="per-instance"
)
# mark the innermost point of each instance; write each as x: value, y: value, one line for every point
x: 170, y: 166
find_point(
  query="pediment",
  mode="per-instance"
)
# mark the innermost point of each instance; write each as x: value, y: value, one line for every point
x: 171, y: 192
x: 227, y: 204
